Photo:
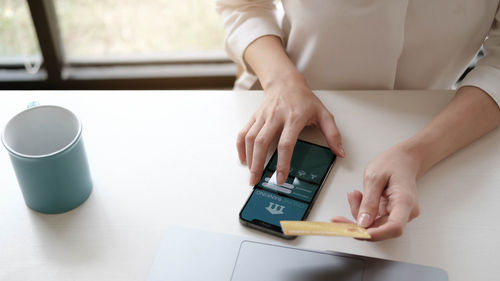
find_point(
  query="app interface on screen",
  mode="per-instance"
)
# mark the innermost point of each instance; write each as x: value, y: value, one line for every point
x: 274, y: 203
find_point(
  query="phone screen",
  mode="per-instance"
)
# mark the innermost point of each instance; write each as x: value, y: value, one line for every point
x: 269, y: 203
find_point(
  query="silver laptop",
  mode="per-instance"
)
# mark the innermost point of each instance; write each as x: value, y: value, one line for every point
x: 188, y: 254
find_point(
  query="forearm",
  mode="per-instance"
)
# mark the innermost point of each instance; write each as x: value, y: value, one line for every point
x: 269, y: 61
x: 471, y: 114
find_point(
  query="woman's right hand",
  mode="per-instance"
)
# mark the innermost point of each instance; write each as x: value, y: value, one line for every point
x: 289, y: 105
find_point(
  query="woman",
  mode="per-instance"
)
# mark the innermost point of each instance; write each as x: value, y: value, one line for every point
x: 365, y: 44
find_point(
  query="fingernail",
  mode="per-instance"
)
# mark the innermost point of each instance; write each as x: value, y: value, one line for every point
x: 341, y: 150
x: 281, y: 178
x: 364, y: 220
x: 349, y: 194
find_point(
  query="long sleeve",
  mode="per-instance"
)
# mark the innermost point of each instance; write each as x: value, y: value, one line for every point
x: 244, y: 22
x: 486, y: 74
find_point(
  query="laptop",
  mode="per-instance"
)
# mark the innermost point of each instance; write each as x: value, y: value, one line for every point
x: 188, y: 254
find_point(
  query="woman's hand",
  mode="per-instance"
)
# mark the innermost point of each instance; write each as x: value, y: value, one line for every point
x: 288, y: 107
x: 389, y: 198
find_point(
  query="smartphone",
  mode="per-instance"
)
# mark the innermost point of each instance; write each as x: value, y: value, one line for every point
x: 270, y: 203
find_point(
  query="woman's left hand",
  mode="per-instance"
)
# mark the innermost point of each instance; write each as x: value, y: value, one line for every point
x: 389, y: 198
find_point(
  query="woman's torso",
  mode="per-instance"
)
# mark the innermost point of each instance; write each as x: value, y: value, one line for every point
x: 385, y: 44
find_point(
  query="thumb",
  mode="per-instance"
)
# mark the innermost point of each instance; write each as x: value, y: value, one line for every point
x: 373, y: 186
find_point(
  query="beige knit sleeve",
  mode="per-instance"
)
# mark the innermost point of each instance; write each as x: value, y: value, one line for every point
x: 244, y: 22
x: 486, y: 74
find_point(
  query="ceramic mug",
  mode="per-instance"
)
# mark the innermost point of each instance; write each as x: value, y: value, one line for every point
x: 46, y: 149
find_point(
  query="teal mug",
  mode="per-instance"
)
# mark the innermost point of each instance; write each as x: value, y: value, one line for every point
x: 46, y: 149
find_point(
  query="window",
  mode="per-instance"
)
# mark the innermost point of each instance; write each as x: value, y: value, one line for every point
x: 18, y: 45
x: 139, y: 27
x: 128, y: 44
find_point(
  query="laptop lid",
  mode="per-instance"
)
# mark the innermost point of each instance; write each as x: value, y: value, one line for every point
x: 189, y: 254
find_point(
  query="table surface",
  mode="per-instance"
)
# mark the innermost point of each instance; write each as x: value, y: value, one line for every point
x: 168, y: 158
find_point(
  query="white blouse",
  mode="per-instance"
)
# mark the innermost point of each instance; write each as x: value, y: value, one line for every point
x: 373, y: 44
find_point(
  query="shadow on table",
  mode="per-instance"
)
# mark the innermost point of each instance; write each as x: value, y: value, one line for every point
x: 74, y: 236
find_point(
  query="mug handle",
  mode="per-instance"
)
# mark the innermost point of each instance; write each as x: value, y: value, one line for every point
x: 32, y: 104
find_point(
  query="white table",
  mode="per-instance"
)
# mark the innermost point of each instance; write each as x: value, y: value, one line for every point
x: 161, y: 159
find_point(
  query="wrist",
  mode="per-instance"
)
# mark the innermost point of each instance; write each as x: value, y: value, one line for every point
x: 415, y: 149
x: 283, y: 77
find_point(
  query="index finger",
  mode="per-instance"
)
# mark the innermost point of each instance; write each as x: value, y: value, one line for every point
x: 374, y: 183
x: 286, y: 145
x: 265, y: 136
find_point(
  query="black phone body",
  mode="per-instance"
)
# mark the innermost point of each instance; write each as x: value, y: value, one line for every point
x: 269, y: 203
